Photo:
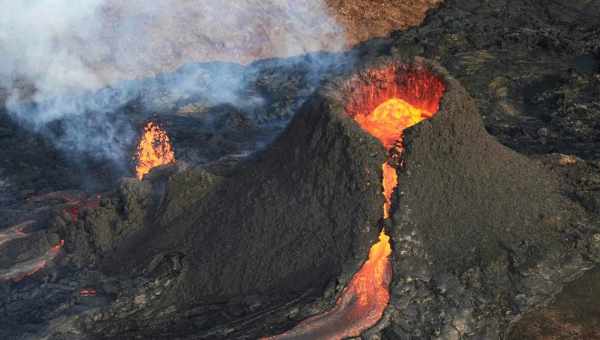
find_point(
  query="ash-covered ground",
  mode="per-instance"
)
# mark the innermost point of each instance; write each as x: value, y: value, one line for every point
x: 532, y: 66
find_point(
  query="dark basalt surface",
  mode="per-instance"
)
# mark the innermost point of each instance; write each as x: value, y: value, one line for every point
x: 531, y: 66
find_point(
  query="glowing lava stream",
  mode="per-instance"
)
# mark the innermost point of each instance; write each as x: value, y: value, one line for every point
x: 14, y: 232
x: 364, y: 300
x: 27, y: 268
x: 153, y: 150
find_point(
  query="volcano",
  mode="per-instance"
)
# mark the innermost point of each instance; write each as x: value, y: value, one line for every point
x: 364, y: 300
x: 436, y: 183
x: 384, y: 200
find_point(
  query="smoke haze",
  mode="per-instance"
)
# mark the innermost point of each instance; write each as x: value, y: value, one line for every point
x: 68, y: 50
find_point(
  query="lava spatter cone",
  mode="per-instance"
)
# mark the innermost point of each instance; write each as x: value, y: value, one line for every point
x: 307, y: 211
x: 154, y: 149
x: 385, y: 117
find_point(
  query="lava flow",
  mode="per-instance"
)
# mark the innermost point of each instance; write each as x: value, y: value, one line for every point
x: 15, y: 232
x: 153, y: 150
x: 390, y: 182
x: 26, y: 268
x: 385, y: 113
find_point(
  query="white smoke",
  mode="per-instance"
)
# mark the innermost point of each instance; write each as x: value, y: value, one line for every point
x: 38, y: 41
x: 68, y: 49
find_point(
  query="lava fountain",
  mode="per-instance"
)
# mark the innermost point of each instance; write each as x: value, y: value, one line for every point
x: 153, y: 150
x: 409, y: 95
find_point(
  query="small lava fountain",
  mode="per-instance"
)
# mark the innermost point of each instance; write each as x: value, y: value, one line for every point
x: 154, y: 149
x: 409, y: 96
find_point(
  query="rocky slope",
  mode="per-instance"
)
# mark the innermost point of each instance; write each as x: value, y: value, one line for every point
x: 364, y: 20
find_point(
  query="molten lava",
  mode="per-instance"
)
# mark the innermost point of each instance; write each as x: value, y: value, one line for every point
x: 153, y: 150
x: 15, y: 232
x: 362, y: 302
x: 413, y: 84
x: 389, y: 119
x: 390, y: 182
x: 26, y: 268
x: 397, y: 98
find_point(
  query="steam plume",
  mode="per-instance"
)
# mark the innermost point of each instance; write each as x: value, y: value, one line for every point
x: 69, y: 50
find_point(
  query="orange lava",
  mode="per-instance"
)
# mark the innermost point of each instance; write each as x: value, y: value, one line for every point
x: 413, y: 84
x: 54, y: 250
x: 362, y: 302
x: 27, y: 268
x: 14, y: 232
x: 389, y: 119
x: 154, y: 150
x: 397, y: 98
x: 390, y: 182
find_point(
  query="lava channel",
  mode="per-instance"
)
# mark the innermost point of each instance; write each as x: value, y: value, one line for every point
x: 15, y: 232
x: 364, y: 300
x: 26, y: 268
x: 153, y: 150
